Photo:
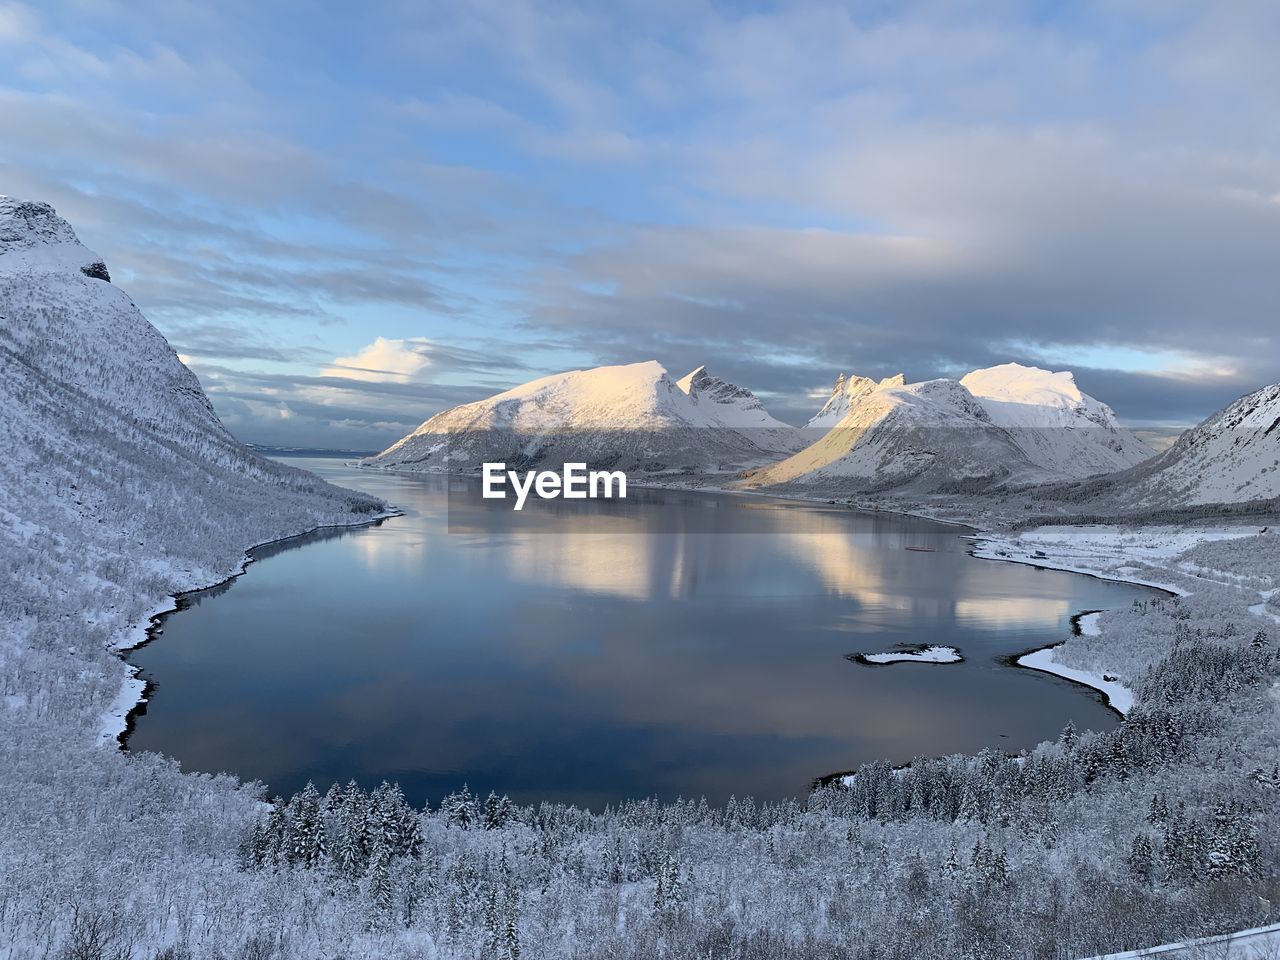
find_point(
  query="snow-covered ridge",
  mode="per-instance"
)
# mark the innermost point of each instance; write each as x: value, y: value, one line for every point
x: 846, y: 392
x: 1232, y: 457
x: 25, y: 224
x: 1060, y: 428
x: 921, y: 436
x: 1019, y: 396
x: 633, y: 417
x: 1001, y: 426
x: 34, y: 238
x: 730, y: 404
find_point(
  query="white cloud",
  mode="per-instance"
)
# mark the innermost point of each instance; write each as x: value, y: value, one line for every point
x: 395, y: 361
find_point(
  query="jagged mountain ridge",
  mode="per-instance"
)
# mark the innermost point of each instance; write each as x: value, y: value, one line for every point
x: 848, y: 390
x: 632, y: 416
x: 1001, y: 426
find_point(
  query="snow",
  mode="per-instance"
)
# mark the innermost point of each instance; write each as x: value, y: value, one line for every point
x: 1146, y: 555
x: 1232, y: 457
x: 929, y: 654
x: 1260, y: 609
x: 1061, y: 429
x: 1133, y: 554
x: 1118, y: 696
x: 846, y: 393
x: 728, y: 404
x: 1018, y: 396
x: 632, y: 417
x: 120, y: 488
x: 916, y: 436
x: 996, y: 427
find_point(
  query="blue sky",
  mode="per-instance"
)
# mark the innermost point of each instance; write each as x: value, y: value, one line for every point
x: 348, y: 217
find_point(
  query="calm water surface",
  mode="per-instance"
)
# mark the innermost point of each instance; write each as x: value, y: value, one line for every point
x: 675, y: 644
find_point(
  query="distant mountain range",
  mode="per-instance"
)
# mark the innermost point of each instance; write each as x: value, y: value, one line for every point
x: 1003, y: 426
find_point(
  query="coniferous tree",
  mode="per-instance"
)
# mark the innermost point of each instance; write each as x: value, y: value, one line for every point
x: 1141, y: 861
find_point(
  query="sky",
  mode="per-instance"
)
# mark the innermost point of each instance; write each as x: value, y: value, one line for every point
x: 347, y: 217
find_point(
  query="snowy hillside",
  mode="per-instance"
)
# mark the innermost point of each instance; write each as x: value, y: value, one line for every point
x: 1001, y: 426
x: 925, y: 437
x: 1061, y: 429
x: 108, y: 439
x: 848, y: 390
x: 730, y: 404
x: 632, y: 417
x: 1232, y: 457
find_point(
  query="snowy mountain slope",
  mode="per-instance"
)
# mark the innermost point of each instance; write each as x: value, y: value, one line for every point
x: 1002, y: 426
x: 728, y: 403
x: 1232, y: 457
x: 924, y: 437
x: 1061, y: 429
x: 118, y: 484
x: 848, y: 390
x: 632, y: 417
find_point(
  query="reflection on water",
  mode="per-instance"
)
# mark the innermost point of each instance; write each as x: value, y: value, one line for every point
x: 676, y: 644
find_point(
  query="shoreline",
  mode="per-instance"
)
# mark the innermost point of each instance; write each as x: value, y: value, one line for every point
x: 1048, y: 563
x: 1113, y: 694
x: 117, y: 722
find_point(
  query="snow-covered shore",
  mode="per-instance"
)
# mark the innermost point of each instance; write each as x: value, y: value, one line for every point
x: 1144, y: 556
x: 1118, y: 696
x: 115, y: 720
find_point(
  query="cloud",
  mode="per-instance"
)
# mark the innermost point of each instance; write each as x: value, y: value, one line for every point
x: 492, y: 190
x: 394, y: 360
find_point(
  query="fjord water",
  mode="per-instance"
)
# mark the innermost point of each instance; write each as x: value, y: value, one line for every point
x: 676, y: 644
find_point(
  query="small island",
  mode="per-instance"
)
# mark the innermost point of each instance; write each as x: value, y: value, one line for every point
x: 917, y: 653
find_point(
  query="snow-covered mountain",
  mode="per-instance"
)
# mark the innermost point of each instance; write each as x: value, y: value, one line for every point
x: 118, y: 484
x: 848, y: 390
x: 1001, y: 426
x: 1232, y: 457
x: 923, y: 437
x: 728, y: 403
x: 1061, y: 429
x: 633, y: 417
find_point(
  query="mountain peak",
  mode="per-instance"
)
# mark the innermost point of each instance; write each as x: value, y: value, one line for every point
x: 28, y: 223
x: 34, y: 237
x: 847, y: 390
x: 1017, y: 383
x: 693, y: 379
x: 633, y: 415
x: 1229, y: 458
